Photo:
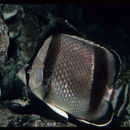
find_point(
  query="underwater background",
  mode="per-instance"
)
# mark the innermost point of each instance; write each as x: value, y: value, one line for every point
x: 107, y: 25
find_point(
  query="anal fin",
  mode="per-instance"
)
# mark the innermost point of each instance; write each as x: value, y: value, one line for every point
x: 99, y: 125
x: 101, y: 117
x: 57, y: 110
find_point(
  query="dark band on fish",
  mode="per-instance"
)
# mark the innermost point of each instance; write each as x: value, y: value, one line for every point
x: 51, y: 57
x: 100, y: 67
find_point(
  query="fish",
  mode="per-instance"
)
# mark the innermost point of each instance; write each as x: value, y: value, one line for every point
x: 74, y: 76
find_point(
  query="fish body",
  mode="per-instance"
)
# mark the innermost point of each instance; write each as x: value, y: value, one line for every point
x: 75, y: 76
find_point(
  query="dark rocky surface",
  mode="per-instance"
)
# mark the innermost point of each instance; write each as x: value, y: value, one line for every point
x: 9, y: 118
x: 4, y: 43
x: 105, y: 25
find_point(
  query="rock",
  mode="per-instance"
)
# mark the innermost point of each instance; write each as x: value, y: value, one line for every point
x: 10, y: 11
x: 14, y: 30
x: 11, y: 119
x: 4, y: 43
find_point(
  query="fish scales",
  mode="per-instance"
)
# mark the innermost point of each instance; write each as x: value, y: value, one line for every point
x: 70, y: 85
x: 74, y: 75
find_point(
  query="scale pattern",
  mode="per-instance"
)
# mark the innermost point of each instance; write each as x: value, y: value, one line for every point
x: 72, y: 75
